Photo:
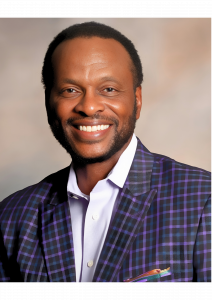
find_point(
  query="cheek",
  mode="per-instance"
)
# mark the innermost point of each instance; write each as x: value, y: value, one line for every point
x: 123, y: 109
x: 63, y: 110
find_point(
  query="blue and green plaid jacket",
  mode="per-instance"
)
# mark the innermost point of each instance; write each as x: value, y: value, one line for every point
x: 162, y: 220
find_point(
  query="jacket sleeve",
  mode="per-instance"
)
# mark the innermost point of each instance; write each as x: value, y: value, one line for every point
x: 3, y: 261
x: 202, y: 248
x: 6, y: 245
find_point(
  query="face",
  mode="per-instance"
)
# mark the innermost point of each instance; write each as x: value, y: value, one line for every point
x: 93, y: 101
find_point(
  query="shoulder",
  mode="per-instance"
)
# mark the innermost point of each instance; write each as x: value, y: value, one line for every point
x: 183, y: 184
x: 29, y: 198
x: 168, y: 166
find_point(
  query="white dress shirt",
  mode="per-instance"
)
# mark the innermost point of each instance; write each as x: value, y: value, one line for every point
x: 91, y: 215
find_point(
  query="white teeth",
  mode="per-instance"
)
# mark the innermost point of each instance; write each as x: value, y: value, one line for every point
x: 93, y: 128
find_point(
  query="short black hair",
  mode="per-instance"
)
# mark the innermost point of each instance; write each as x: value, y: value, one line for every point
x: 90, y: 29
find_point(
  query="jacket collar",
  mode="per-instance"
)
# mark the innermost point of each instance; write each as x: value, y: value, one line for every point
x: 56, y: 231
x: 58, y: 190
x: 139, y: 177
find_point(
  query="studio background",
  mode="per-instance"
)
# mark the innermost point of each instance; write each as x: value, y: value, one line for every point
x: 175, y: 116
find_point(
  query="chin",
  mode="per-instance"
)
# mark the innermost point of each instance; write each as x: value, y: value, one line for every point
x: 79, y: 159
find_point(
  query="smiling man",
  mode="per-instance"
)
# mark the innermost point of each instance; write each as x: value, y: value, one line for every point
x: 118, y: 212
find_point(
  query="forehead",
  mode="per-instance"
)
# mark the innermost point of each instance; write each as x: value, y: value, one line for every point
x: 94, y: 52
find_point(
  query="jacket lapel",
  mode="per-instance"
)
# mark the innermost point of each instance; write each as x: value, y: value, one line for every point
x: 56, y: 232
x: 132, y: 208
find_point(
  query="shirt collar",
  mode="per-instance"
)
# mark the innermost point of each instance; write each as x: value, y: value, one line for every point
x: 117, y: 175
x: 72, y: 186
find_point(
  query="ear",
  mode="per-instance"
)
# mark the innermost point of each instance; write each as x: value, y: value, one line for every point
x: 138, y: 96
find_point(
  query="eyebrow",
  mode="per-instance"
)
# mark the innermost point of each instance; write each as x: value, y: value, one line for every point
x: 71, y: 81
x: 109, y: 78
x: 105, y: 78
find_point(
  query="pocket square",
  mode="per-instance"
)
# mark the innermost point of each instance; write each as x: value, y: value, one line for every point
x: 156, y: 273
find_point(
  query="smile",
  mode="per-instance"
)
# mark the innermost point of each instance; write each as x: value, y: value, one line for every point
x: 93, y: 128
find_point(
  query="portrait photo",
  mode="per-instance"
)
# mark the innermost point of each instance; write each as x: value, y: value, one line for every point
x: 105, y: 150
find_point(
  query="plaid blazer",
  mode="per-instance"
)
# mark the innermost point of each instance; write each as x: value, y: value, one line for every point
x: 162, y: 220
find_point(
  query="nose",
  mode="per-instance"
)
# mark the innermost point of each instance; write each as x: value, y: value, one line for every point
x: 90, y: 104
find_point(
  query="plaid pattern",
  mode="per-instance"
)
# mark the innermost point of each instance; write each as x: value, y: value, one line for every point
x: 162, y: 220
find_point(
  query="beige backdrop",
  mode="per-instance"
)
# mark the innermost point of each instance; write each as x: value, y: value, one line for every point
x: 175, y: 117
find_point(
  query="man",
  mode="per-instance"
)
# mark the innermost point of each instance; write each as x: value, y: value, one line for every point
x: 119, y: 211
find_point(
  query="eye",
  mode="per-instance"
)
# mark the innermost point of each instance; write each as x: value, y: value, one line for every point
x: 109, y: 89
x: 70, y: 90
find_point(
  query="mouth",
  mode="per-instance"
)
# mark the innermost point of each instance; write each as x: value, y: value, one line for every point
x: 92, y: 128
x: 86, y: 132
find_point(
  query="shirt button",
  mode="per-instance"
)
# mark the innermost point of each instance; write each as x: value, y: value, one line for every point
x: 95, y: 217
x: 90, y: 263
x: 74, y: 197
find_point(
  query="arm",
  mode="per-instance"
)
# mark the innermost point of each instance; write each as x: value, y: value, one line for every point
x: 3, y: 261
x: 202, y: 248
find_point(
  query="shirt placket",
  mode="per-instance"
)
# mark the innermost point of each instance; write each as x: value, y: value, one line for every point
x: 91, y: 245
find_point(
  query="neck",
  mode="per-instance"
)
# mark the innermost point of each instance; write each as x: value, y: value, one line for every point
x: 88, y: 175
